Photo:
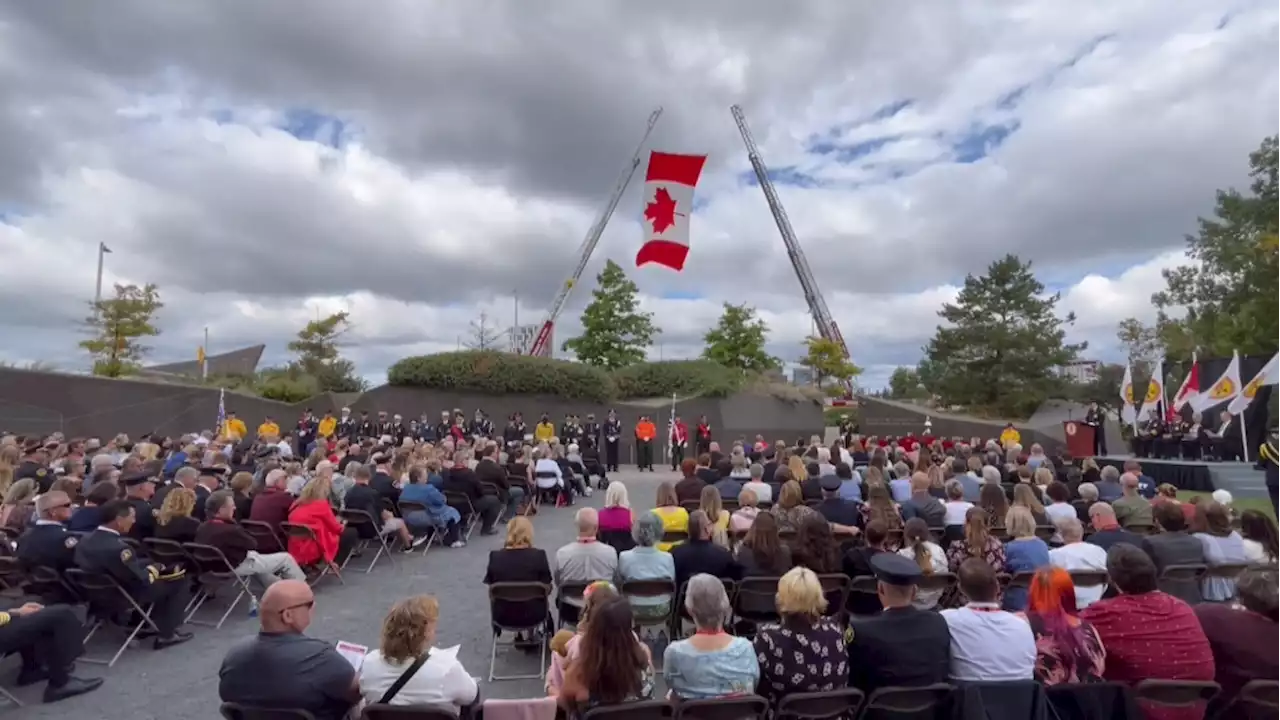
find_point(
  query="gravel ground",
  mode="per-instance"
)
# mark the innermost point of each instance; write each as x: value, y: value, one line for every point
x: 182, y: 682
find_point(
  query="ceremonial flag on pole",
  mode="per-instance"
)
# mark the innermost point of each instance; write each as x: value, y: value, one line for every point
x: 102, y: 248
x: 1189, y: 390
x: 1226, y: 388
x: 1155, y: 390
x: 204, y: 366
x: 222, y: 411
x: 1127, y: 413
x: 668, y: 195
x: 1268, y: 375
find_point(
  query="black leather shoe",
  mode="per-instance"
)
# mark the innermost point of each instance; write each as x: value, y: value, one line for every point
x: 31, y: 676
x: 73, y: 687
x: 177, y: 638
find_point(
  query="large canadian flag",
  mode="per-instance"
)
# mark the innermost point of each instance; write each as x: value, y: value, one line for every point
x: 668, y: 194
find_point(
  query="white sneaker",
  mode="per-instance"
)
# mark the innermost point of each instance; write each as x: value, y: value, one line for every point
x: 418, y: 541
x: 458, y: 544
x: 587, y: 491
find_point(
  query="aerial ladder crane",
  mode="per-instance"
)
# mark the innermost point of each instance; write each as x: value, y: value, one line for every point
x: 826, y: 324
x: 538, y: 346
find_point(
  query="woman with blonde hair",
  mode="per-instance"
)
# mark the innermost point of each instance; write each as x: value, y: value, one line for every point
x: 1025, y: 496
x: 407, y: 633
x: 1042, y: 477
x: 977, y: 542
x: 796, y: 465
x: 790, y: 510
x: 806, y: 651
x: 675, y: 519
x: 174, y: 521
x: 880, y: 506
x: 16, y: 510
x: 709, y: 503
x: 1023, y: 553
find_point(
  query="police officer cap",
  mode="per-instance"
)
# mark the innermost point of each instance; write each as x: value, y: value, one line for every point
x: 136, y: 478
x: 830, y: 483
x: 219, y: 471
x: 894, y: 569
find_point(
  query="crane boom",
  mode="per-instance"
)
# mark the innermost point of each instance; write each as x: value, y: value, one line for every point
x: 827, y: 327
x: 538, y: 346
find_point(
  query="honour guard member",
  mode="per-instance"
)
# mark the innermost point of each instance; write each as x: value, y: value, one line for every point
x: 612, y: 431
x: 398, y: 430
x: 591, y: 433
x: 679, y: 442
x: 105, y: 552
x: 513, y: 434
x: 48, y: 544
x: 901, y: 645
x: 384, y: 425
x: 645, y: 433
x: 481, y: 426
x: 1096, y: 419
x: 366, y: 428
x: 346, y: 425
x: 443, y: 427
x: 140, y: 488
x: 702, y: 436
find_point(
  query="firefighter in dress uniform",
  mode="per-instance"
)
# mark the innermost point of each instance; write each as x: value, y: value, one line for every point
x: 679, y: 442
x: 702, y: 436
x: 612, y: 432
x: 645, y: 434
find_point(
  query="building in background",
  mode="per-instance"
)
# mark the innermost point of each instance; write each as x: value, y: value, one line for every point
x: 1081, y: 372
x: 523, y: 336
x: 801, y: 376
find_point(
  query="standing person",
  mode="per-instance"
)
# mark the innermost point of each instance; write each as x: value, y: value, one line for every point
x: 679, y: 441
x: 645, y: 433
x: 703, y: 436
x: 1096, y: 419
x: 612, y: 431
x: 591, y: 433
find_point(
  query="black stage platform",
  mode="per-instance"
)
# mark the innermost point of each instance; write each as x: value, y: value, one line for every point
x: 1196, y: 475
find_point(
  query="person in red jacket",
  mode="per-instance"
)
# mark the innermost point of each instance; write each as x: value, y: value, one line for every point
x: 334, y: 540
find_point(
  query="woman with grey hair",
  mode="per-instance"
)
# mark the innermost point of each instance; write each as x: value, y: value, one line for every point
x: 712, y: 663
x: 646, y: 562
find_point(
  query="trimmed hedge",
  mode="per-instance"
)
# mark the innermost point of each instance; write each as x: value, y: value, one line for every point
x: 498, y: 373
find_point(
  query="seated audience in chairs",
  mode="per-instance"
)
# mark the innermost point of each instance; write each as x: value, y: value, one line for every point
x: 675, y: 519
x: 689, y: 488
x: 815, y: 547
x: 700, y: 555
x: 174, y: 521
x: 363, y: 496
x: 334, y: 541
x: 272, y: 503
x: 240, y: 486
x: 857, y: 562
x: 518, y: 561
x: 756, y: 484
x: 902, y: 646
x: 572, y: 479
x: 547, y: 475
x: 1025, y: 496
x: 805, y: 652
x: 616, y: 514
x: 1222, y: 546
x: 1131, y: 508
x: 566, y: 643
x: 1147, y: 634
x: 762, y: 552
x: 711, y: 504
x: 732, y: 475
x: 978, y: 542
x: 745, y: 515
x: 1244, y: 638
x: 922, y: 504
x: 104, y: 552
x: 987, y: 643
x: 1023, y: 553
x: 49, y: 639
x: 712, y: 663
x: 222, y: 532
x: 646, y: 562
x: 462, y: 480
x: 1076, y: 554
x: 1258, y: 532
x: 407, y: 633
x: 88, y: 516
x: 1068, y: 649
x: 1173, y: 545
x: 488, y: 470
x: 16, y: 510
x: 610, y: 665
x: 1106, y: 530
x: 584, y: 560
x: 844, y: 515
x: 437, y: 515
x: 918, y: 546
x: 47, y: 543
x: 281, y: 668
x: 880, y: 507
x: 790, y: 509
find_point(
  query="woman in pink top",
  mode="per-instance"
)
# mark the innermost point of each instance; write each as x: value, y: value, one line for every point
x: 746, y: 513
x: 616, y: 514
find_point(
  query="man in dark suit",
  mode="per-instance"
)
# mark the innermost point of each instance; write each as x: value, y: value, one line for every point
x: 901, y: 645
x: 1225, y: 441
x: 700, y: 555
x: 1174, y: 546
x: 489, y: 471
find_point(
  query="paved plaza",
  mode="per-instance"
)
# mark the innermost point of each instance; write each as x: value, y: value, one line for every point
x: 182, y: 682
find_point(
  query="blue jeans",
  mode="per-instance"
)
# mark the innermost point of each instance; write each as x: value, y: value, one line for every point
x: 514, y: 496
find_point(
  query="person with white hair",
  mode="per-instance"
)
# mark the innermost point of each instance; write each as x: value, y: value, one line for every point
x: 584, y: 560
x: 1076, y: 554
x: 712, y: 663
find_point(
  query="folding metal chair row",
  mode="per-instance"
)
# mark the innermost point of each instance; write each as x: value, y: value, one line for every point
x: 508, y: 599
x: 847, y: 703
x: 462, y: 503
x: 212, y: 570
x: 365, y: 526
x: 433, y: 535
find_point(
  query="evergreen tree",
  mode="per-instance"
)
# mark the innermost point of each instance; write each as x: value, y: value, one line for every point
x: 1002, y: 344
x: 738, y: 340
x: 319, y: 358
x: 615, y: 332
x: 117, y: 326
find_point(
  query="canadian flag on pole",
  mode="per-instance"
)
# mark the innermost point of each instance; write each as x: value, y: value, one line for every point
x: 1189, y: 390
x: 668, y: 194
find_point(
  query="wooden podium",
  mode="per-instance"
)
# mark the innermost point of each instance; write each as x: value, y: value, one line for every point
x: 1079, y: 438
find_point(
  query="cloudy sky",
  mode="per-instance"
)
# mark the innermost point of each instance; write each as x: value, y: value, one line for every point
x: 417, y: 163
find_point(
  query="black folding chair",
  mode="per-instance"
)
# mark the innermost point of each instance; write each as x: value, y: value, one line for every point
x: 236, y: 711
x: 460, y: 502
x: 737, y: 707
x: 652, y: 589
x: 828, y: 705
x: 51, y: 587
x: 1256, y: 700
x: 507, y: 596
x: 379, y: 711
x: 321, y: 568
x: 215, y: 572
x: 1227, y: 571
x: 106, y: 599
x: 643, y: 710
x: 1180, y: 694
x: 755, y: 603
x: 1174, y: 578
x: 836, y: 588
x: 564, y: 593
x: 1089, y: 578
x: 269, y: 541
x: 862, y: 585
x: 910, y: 702
x: 365, y: 526
x: 409, y: 506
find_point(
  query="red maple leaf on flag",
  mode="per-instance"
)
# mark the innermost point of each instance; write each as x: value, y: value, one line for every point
x: 662, y: 211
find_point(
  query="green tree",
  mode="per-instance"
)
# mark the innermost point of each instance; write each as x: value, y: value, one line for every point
x: 319, y: 357
x: 1142, y: 345
x: 904, y: 384
x: 1002, y: 344
x: 737, y: 341
x: 116, y: 327
x: 827, y: 361
x: 1228, y: 293
x: 615, y: 332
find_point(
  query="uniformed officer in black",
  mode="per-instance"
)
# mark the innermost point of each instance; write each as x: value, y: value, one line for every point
x: 1095, y: 418
x: 366, y: 428
x: 140, y: 492
x: 35, y: 465
x: 444, y: 426
x: 591, y: 432
x: 901, y: 645
x: 515, y: 431
x: 346, y: 428
x: 104, y: 552
x: 48, y: 544
x: 612, y: 431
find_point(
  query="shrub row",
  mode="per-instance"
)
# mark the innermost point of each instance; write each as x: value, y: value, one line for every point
x: 499, y: 373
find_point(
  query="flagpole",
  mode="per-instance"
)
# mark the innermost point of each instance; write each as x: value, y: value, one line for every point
x: 97, y: 292
x: 204, y: 360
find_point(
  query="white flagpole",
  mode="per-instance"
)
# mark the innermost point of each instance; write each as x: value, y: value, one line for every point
x: 671, y: 429
x: 1244, y: 438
